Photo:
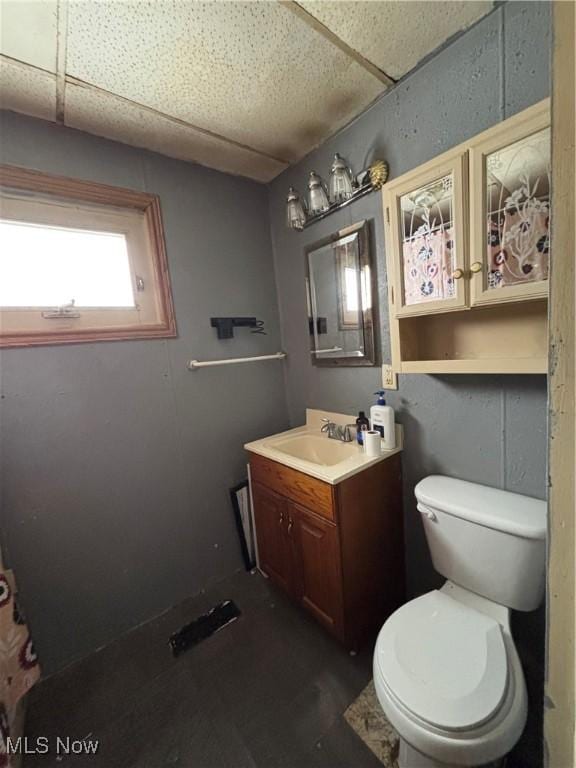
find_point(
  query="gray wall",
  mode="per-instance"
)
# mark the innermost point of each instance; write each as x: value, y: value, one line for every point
x: 116, y: 460
x: 488, y: 429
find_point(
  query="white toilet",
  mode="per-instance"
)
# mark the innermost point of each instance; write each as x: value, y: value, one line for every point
x: 446, y: 670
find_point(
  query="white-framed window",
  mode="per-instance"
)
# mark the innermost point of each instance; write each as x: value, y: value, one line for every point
x: 80, y: 261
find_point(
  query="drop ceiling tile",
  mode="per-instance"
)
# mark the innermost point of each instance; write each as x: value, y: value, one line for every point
x: 104, y: 114
x: 396, y: 35
x: 251, y: 71
x: 28, y: 31
x: 26, y: 89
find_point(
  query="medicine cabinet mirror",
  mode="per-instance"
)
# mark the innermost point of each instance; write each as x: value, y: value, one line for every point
x: 340, y: 299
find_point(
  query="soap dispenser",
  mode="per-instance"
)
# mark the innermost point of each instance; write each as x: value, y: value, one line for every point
x: 382, y: 420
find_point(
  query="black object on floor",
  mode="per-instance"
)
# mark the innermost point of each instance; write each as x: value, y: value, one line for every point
x: 204, y: 626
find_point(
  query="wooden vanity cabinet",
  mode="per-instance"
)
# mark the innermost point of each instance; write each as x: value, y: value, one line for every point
x: 337, y: 550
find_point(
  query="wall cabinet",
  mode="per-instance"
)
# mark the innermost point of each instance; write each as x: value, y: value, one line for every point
x: 337, y: 550
x: 510, y: 210
x: 425, y: 218
x: 468, y: 254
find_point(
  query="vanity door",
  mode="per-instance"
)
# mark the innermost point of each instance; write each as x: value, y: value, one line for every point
x: 274, y: 546
x: 510, y: 209
x: 426, y: 237
x: 317, y: 576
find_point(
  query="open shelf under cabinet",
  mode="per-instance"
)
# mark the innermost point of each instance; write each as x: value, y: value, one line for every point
x: 506, y: 338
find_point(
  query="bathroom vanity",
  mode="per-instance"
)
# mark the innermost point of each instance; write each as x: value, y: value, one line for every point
x: 329, y: 529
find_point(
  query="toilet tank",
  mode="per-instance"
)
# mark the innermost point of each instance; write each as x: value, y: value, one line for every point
x: 488, y: 541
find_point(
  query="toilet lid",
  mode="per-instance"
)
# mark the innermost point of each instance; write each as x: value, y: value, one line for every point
x: 444, y: 661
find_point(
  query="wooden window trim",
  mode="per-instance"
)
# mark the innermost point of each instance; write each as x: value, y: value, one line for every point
x: 76, y: 190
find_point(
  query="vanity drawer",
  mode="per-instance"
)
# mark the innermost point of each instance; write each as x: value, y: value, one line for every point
x: 311, y: 493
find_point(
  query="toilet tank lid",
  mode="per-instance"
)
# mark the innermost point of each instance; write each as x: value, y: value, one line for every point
x: 491, y: 507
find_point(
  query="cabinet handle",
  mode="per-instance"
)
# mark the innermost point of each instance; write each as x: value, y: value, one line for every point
x: 281, y: 518
x: 457, y: 274
x: 476, y: 267
x: 290, y: 524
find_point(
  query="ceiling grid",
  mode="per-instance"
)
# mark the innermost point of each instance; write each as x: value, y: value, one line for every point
x: 244, y: 87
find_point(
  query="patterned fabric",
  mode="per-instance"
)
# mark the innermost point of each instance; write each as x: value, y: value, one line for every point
x: 19, y: 668
x: 428, y: 265
x: 519, y: 246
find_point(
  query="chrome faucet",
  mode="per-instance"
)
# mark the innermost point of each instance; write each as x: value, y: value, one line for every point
x: 338, y: 432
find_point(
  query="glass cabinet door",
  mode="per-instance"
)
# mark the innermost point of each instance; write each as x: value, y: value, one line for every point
x: 510, y: 212
x: 424, y: 219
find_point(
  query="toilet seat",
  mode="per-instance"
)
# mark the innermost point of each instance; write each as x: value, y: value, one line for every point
x: 444, y: 662
x: 403, y: 696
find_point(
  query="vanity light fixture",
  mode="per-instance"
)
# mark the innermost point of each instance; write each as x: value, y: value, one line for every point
x: 344, y: 189
x: 317, y: 196
x: 295, y: 213
x: 340, y: 185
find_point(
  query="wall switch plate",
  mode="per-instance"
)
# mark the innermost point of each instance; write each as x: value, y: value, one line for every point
x: 389, y: 377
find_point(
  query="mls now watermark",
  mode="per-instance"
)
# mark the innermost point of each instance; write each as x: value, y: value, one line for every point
x: 42, y: 745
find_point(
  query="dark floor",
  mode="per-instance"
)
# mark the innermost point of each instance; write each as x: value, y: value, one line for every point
x: 267, y: 691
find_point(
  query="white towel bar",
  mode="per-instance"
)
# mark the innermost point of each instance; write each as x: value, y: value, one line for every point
x: 193, y: 365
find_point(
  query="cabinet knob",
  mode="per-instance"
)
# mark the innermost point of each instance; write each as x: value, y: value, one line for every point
x: 457, y: 274
x: 476, y: 267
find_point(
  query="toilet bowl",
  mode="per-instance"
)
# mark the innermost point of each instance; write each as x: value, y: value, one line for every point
x: 446, y: 670
x: 449, y: 680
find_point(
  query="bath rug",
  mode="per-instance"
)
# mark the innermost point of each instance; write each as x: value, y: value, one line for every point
x: 204, y: 626
x: 366, y: 718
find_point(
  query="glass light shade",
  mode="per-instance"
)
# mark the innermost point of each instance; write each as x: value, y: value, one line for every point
x: 340, y: 184
x: 317, y: 197
x: 295, y: 213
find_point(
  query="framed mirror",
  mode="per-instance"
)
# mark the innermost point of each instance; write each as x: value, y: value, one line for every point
x: 340, y: 299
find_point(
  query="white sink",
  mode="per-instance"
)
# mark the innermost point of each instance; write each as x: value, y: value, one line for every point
x: 312, y: 452
x: 317, y: 449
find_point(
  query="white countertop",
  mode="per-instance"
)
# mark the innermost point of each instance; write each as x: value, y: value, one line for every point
x: 333, y: 474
